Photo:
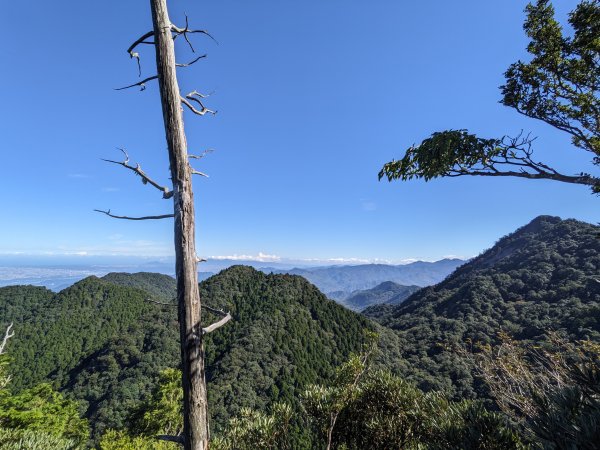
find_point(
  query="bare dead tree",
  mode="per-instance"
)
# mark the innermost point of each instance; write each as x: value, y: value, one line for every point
x: 162, y: 36
x: 7, y: 335
x: 5, y: 379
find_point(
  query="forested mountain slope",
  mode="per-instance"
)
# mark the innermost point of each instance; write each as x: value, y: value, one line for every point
x: 161, y: 287
x: 105, y: 343
x: 545, y: 276
x: 101, y: 342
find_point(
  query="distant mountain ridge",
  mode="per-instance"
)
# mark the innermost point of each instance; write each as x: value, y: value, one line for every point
x: 387, y: 292
x: 347, y: 279
x: 343, y: 278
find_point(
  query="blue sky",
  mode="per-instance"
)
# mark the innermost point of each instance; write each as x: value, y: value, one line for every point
x: 313, y: 97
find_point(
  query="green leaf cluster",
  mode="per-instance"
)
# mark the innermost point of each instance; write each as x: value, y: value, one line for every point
x: 437, y: 155
x: 24, y: 439
x: 122, y: 440
x: 41, y: 408
x: 255, y: 429
x: 559, y: 85
x: 388, y: 412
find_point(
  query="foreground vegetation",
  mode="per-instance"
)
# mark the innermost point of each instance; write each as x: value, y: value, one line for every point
x: 547, y: 399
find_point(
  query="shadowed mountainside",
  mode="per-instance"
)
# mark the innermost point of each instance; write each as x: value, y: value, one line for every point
x: 544, y: 276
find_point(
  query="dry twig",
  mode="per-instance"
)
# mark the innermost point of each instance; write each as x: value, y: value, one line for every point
x: 108, y: 213
x: 185, y: 31
x: 167, y: 193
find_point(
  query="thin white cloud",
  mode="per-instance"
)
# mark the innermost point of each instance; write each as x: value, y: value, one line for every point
x: 346, y: 261
x: 261, y: 257
x: 457, y: 257
x: 78, y: 175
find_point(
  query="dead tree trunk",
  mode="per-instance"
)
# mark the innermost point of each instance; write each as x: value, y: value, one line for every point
x: 196, y: 432
x: 195, y: 418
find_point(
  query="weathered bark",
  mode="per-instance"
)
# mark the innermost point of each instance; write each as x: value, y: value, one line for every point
x: 196, y: 433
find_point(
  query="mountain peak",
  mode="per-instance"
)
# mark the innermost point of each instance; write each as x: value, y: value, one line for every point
x: 541, y: 277
x: 542, y: 228
x: 538, y: 223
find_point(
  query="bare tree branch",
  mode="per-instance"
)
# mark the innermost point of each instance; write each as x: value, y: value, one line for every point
x: 196, y: 172
x: 583, y: 179
x: 167, y: 193
x: 517, y: 152
x: 226, y: 318
x: 191, y: 62
x: 196, y: 96
x: 5, y: 379
x: 142, y: 84
x: 201, y: 155
x: 7, y: 336
x: 140, y: 41
x: 200, y: 112
x: 108, y: 213
x: 136, y: 55
x: 184, y: 31
x: 219, y: 312
x: 160, y: 303
x: 216, y: 311
x: 565, y: 126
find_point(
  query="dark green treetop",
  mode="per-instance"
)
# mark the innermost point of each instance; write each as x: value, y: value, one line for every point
x: 558, y: 86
